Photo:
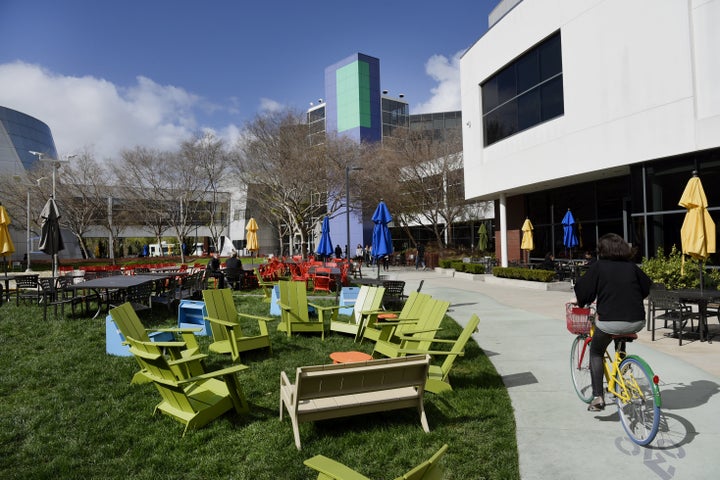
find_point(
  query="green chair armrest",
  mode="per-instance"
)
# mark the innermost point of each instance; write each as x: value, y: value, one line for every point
x: 193, y: 358
x: 221, y: 321
x: 169, y: 344
x: 175, y: 329
x: 214, y: 374
x: 416, y: 351
x: 333, y: 469
x: 257, y: 317
x: 326, y: 307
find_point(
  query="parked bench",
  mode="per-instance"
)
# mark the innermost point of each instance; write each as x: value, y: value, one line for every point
x: 329, y: 391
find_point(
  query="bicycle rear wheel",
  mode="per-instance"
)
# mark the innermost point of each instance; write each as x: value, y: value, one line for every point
x: 640, y: 415
x: 580, y: 368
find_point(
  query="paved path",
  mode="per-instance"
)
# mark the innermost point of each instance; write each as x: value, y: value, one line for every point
x: 523, y: 332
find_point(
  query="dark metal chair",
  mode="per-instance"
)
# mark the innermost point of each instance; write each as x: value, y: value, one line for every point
x: 394, y: 297
x: 27, y: 287
x: 666, y: 306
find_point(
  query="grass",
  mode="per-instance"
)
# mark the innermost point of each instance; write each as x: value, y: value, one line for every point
x: 69, y: 411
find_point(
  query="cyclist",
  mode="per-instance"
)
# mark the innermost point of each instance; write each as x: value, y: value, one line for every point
x: 619, y: 286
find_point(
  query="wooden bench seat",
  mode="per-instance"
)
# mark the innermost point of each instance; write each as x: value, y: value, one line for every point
x: 330, y: 391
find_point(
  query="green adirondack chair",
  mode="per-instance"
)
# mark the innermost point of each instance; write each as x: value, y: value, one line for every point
x: 374, y: 330
x: 130, y: 325
x: 418, y: 335
x: 193, y: 401
x: 329, y: 469
x: 294, y: 314
x: 369, y: 300
x: 265, y: 286
x: 224, y: 321
x: 439, y: 375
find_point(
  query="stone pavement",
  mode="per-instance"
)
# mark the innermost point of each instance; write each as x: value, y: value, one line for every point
x: 522, y: 330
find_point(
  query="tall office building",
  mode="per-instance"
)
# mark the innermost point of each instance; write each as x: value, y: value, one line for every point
x: 354, y: 104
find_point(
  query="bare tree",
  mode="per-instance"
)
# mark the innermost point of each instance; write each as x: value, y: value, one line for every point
x: 292, y: 180
x: 209, y: 155
x: 82, y: 194
x: 139, y: 176
x: 428, y: 181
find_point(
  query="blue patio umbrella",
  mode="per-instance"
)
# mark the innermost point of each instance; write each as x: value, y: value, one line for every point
x: 570, y: 238
x: 325, y: 246
x: 381, y: 239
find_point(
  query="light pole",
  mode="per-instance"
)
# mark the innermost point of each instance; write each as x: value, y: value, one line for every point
x: 347, y: 206
x: 28, y: 241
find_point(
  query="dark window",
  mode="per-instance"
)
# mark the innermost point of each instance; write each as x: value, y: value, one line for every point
x: 524, y: 93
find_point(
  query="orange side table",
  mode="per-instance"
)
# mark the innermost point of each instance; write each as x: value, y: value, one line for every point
x: 387, y: 316
x: 348, y: 357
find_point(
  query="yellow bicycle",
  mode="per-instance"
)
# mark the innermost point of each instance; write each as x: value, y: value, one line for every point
x: 627, y: 377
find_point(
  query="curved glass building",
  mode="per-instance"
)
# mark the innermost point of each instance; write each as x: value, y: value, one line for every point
x: 20, y: 134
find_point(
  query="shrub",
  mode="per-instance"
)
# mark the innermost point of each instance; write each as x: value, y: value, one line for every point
x: 475, y: 268
x: 446, y: 262
x: 458, y: 265
x: 669, y: 270
x: 524, y: 274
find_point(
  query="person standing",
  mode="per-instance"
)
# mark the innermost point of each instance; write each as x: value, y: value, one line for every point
x: 619, y: 286
x: 338, y: 251
x: 420, y: 257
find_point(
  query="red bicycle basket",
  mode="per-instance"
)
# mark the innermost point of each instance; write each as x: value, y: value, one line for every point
x: 578, y: 319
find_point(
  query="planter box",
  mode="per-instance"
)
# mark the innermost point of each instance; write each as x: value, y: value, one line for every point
x: 547, y: 286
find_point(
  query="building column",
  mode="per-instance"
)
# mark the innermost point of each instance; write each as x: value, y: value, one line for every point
x: 503, y: 231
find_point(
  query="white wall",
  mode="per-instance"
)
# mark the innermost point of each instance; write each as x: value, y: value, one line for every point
x: 640, y: 82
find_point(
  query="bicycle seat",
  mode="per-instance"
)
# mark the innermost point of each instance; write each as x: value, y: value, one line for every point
x: 628, y: 337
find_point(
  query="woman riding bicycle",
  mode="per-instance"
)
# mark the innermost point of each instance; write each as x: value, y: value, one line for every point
x: 619, y: 286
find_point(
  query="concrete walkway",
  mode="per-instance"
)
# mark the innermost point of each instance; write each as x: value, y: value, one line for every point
x: 523, y: 332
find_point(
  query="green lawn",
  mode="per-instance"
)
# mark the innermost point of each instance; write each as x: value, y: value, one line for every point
x: 69, y: 411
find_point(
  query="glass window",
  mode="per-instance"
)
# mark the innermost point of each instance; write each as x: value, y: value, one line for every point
x: 524, y: 93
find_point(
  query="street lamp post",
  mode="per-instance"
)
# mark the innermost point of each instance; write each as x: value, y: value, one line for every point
x: 347, y: 206
x: 28, y: 241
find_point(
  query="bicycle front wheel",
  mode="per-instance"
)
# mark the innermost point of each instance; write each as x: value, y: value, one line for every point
x: 580, y: 368
x: 640, y: 410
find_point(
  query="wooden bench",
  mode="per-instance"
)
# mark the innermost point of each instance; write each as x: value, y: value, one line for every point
x: 329, y: 391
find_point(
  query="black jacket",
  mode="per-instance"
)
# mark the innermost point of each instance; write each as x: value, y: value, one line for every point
x: 619, y: 287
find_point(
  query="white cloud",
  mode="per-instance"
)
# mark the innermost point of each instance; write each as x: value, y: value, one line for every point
x: 446, y: 95
x: 92, y: 113
x: 269, y: 106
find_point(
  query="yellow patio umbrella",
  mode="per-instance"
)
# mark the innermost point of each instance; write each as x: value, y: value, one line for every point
x: 6, y: 243
x: 251, y: 239
x: 698, y: 229
x: 527, y: 238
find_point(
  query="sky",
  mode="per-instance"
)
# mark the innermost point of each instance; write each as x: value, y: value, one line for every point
x: 107, y: 75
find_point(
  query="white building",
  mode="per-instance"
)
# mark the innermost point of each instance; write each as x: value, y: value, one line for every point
x: 601, y: 106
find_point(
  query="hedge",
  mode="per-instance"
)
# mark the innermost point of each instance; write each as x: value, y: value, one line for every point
x: 524, y: 274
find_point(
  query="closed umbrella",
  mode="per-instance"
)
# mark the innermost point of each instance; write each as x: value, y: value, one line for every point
x: 570, y: 239
x: 51, y: 241
x: 482, y: 237
x: 325, y: 246
x: 6, y: 243
x: 527, y: 243
x: 251, y: 239
x: 698, y: 229
x: 381, y: 239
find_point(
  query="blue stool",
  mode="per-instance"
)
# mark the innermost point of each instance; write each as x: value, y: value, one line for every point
x: 191, y: 314
x: 114, y: 340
